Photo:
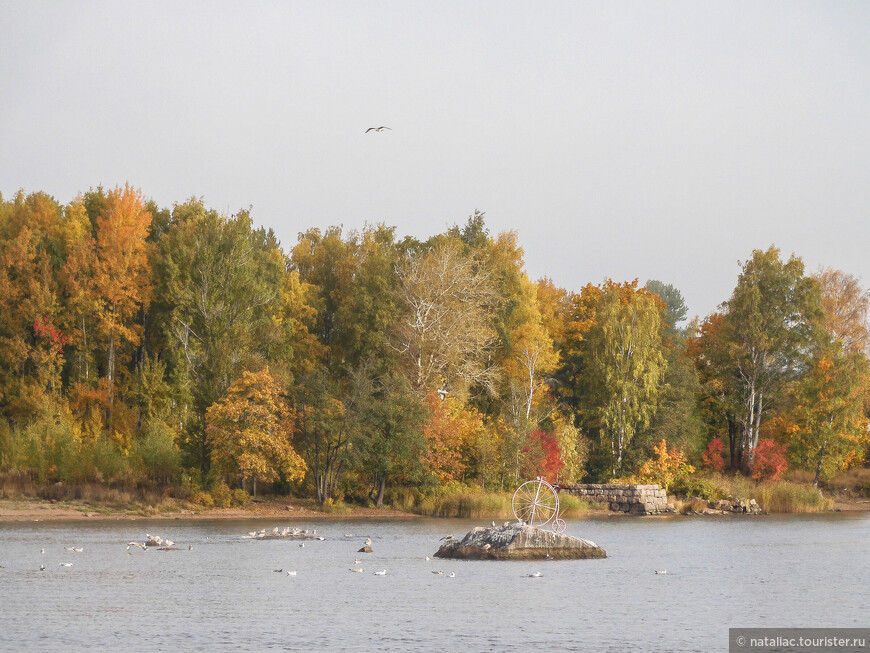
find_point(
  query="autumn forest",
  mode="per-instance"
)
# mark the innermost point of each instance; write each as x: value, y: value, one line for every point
x: 187, y: 350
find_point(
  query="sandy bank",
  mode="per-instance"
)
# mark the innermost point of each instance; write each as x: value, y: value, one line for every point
x: 12, y: 510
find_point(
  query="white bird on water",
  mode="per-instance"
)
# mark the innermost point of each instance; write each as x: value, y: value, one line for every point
x: 66, y: 564
x: 382, y: 572
x: 661, y: 571
x: 302, y: 545
x: 451, y: 575
x: 357, y: 562
x: 438, y: 572
x: 537, y: 574
x: 357, y: 570
x: 291, y: 572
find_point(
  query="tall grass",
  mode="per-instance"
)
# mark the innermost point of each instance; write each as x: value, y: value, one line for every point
x: 784, y: 496
x: 774, y: 496
x: 467, y: 504
x: 476, y: 504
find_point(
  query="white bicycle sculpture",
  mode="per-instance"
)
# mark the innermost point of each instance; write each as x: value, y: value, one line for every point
x: 536, y: 503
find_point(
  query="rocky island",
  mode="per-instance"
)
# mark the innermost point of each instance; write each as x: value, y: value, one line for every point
x: 518, y: 541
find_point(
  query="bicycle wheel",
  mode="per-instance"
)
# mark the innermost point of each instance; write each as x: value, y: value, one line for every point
x: 535, y: 503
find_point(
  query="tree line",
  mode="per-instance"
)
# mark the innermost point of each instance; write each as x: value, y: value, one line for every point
x: 148, y: 345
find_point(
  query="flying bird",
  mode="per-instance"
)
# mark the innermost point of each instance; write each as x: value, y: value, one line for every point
x: 378, y: 129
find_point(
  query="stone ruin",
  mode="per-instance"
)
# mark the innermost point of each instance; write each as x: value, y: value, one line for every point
x: 623, y: 497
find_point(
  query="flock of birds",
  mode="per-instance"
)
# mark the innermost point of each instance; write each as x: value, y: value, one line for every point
x: 168, y: 545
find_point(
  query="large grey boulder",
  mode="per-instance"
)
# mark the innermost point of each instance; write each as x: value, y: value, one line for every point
x: 517, y: 541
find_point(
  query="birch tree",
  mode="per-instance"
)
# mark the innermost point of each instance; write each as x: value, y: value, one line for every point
x: 626, y: 366
x: 444, y: 336
x: 770, y: 324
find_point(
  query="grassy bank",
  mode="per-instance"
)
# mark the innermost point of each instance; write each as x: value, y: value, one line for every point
x: 771, y: 496
x: 476, y: 504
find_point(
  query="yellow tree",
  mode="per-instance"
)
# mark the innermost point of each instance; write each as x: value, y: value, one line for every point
x: 531, y: 362
x: 250, y: 429
x: 845, y: 304
x: 77, y: 282
x: 831, y: 427
x: 30, y: 360
x: 122, y: 275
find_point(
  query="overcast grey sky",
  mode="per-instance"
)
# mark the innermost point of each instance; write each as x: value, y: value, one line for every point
x: 661, y: 140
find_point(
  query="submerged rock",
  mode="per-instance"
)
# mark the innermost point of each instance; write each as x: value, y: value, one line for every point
x: 516, y: 541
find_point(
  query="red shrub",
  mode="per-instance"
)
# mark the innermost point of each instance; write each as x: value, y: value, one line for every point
x: 769, y: 461
x: 713, y: 458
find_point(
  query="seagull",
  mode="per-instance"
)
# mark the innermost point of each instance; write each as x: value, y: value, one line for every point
x: 447, y: 537
x: 537, y: 574
x: 382, y: 572
x: 368, y: 541
x: 357, y: 570
x: 378, y: 129
x: 277, y: 571
x: 291, y: 573
x: 493, y: 523
x: 43, y: 552
x: 438, y: 572
x: 190, y: 547
x: 302, y: 545
x: 66, y: 564
x: 427, y: 558
x: 41, y: 567
x: 72, y: 548
x: 661, y: 571
x: 451, y: 575
x: 357, y: 562
x: 141, y: 546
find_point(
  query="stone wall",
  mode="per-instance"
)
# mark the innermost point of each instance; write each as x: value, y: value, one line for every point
x: 633, y: 499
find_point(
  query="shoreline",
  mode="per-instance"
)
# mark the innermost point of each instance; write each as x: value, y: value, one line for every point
x: 35, y: 510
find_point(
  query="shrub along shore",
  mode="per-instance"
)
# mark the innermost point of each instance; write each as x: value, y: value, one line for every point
x: 94, y: 501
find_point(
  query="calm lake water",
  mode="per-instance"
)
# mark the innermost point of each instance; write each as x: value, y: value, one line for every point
x: 767, y: 571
